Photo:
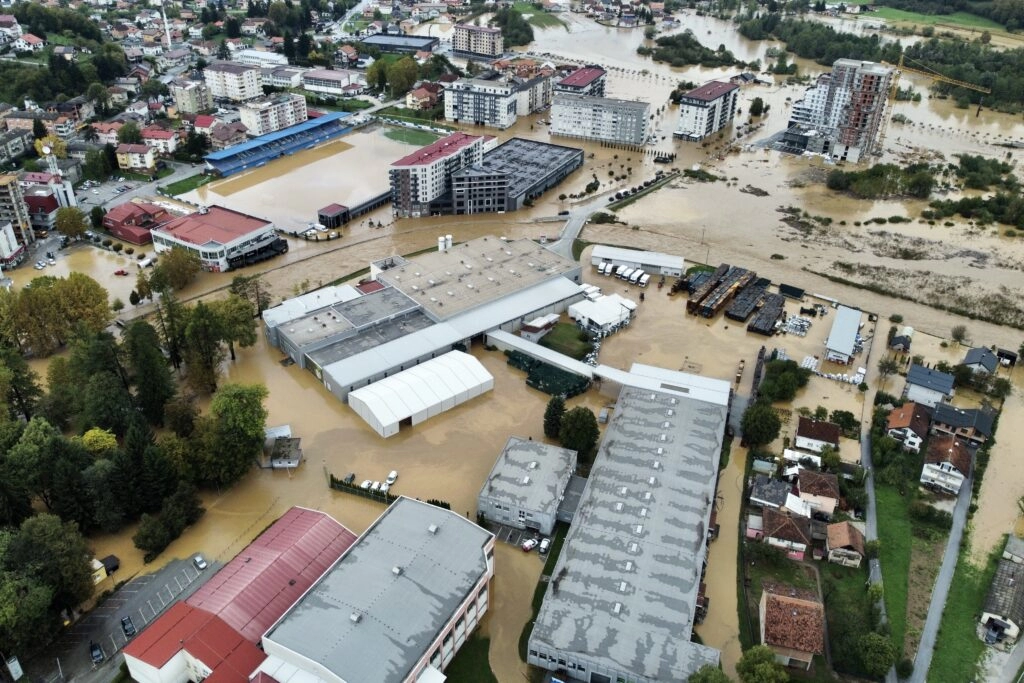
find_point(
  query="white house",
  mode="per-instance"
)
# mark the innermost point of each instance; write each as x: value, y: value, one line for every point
x: 908, y: 424
x: 928, y: 386
x: 27, y: 42
x: 947, y: 463
x: 815, y: 435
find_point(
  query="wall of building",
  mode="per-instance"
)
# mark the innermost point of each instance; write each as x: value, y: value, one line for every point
x: 698, y: 118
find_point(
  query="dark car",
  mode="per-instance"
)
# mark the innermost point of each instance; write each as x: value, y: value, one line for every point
x: 96, y: 652
x: 127, y: 627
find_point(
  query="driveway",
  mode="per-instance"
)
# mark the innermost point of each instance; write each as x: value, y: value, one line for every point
x: 142, y: 598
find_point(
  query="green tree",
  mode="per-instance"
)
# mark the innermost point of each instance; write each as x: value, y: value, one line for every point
x: 179, y: 267
x: 579, y: 432
x: 159, y: 477
x: 15, y: 503
x: 758, y: 665
x: 71, y: 500
x: 54, y: 552
x: 96, y: 217
x: 203, y: 350
x: 237, y: 433
x: 553, y: 417
x: 31, y: 460
x: 152, y: 536
x: 106, y: 403
x: 252, y: 289
x: 756, y: 107
x: 377, y: 75
x: 25, y: 610
x: 887, y: 366
x: 233, y: 28
x: 142, y: 285
x: 1001, y: 388
x: 180, y: 415
x: 223, y: 51
x: 97, y: 92
x: 182, y: 509
x: 958, y: 334
x: 38, y: 129
x: 154, y: 385
x: 877, y: 653
x: 83, y: 302
x: 760, y: 425
x: 401, y: 75
x: 101, y: 484
x: 830, y: 459
x: 62, y: 398
x: 172, y: 317
x: 100, y: 443
x: 237, y: 323
x: 21, y: 383
x: 708, y: 674
x: 129, y: 133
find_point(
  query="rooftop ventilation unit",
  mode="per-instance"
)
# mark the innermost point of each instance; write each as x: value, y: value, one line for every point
x: 665, y: 425
x: 643, y: 512
x: 526, y: 480
x: 629, y: 565
x: 670, y: 412
x: 618, y: 507
x: 647, y: 495
x: 653, y: 396
x: 451, y: 293
x: 634, y: 547
x: 432, y: 529
x: 661, y: 450
x: 664, y: 437
x: 652, y: 481
x: 469, y: 285
x: 396, y: 570
x: 616, y: 608
x: 532, y: 465
x: 657, y: 463
x: 623, y: 491
x: 674, y: 401
x: 639, y: 529
x: 355, y: 617
x: 622, y: 586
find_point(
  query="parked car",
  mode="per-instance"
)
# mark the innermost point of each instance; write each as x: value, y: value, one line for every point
x: 127, y: 627
x: 96, y: 652
x: 365, y: 485
x: 545, y: 546
x: 349, y: 478
x: 199, y: 563
x: 392, y: 477
x: 385, y: 487
x: 529, y: 544
x: 375, y: 486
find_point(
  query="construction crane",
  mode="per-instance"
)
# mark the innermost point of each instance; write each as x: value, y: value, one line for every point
x: 927, y: 73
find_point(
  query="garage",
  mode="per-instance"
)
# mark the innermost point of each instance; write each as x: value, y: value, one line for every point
x: 421, y: 392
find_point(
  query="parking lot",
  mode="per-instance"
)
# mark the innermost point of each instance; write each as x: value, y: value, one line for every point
x: 142, y: 599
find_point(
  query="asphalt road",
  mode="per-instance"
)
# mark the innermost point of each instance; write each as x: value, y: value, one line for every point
x: 142, y: 598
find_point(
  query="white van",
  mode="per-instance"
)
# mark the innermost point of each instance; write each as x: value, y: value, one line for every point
x: 645, y: 279
x: 146, y: 262
x: 619, y: 271
x: 602, y: 267
x: 635, y: 277
x: 626, y: 274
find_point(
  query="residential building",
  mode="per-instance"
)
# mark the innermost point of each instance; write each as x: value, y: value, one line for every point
x: 526, y: 485
x: 793, y: 627
x: 162, y: 141
x: 974, y: 426
x: 706, y: 110
x: 600, y: 118
x: 135, y: 158
x: 791, y: 534
x: 908, y: 424
x: 12, y: 252
x: 132, y: 221
x: 512, y: 175
x: 766, y: 492
x: 947, y: 463
x: 225, y: 135
x: 587, y: 80
x: 42, y: 205
x: 397, y: 606
x: 259, y: 58
x: 621, y: 604
x: 25, y: 120
x: 423, y: 97
x: 221, y: 238
x: 532, y: 94
x: 27, y: 42
x: 844, y: 339
x: 286, y: 77
x: 820, y: 490
x: 216, y: 633
x: 981, y: 361
x: 1003, y: 613
x: 231, y: 81
x: 13, y: 208
x: 844, y: 544
x: 272, y: 113
x: 204, y: 123
x: 421, y: 178
x: 191, y: 97
x: 333, y: 81
x: 14, y: 143
x: 477, y: 41
x: 928, y: 385
x: 481, y: 102
x: 816, y: 435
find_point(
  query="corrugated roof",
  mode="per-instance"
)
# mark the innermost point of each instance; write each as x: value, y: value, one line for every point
x: 843, y: 336
x: 604, y: 252
x: 259, y: 585
x: 711, y: 91
x: 218, y: 225
x: 257, y: 144
x: 583, y: 76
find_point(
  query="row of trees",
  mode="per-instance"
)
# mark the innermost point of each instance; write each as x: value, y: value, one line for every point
x: 39, y: 319
x: 1009, y: 13
x: 683, y: 49
x: 884, y: 180
x: 515, y: 30
x: 61, y: 79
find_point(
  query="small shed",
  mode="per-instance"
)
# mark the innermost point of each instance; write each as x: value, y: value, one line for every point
x: 333, y: 216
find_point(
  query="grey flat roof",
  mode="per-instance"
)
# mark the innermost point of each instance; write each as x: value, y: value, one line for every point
x: 604, y: 252
x: 625, y: 586
x: 300, y: 306
x: 474, y: 273
x: 401, y: 614
x: 370, y: 338
x: 843, y: 336
x: 381, y: 39
x: 351, y: 314
x: 527, y: 163
x: 529, y: 474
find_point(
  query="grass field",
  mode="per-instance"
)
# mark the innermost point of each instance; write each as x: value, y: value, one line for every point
x: 470, y: 664
x: 538, y: 17
x: 187, y: 184
x: 957, y: 647
x: 565, y: 338
x: 895, y: 534
x: 964, y: 19
x: 410, y: 136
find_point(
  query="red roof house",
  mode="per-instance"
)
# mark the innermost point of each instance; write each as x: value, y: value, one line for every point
x: 132, y: 222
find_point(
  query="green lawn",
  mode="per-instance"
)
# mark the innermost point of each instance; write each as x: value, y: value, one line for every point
x: 187, y: 184
x: 565, y: 338
x: 964, y: 19
x: 957, y: 647
x: 894, y: 532
x: 848, y: 612
x: 411, y: 136
x: 538, y: 17
x: 470, y: 664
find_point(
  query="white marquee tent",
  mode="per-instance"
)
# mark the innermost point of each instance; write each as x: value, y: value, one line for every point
x: 421, y: 392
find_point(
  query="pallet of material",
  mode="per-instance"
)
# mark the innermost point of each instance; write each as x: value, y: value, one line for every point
x: 698, y: 294
x: 737, y: 279
x: 769, y: 313
x: 746, y: 302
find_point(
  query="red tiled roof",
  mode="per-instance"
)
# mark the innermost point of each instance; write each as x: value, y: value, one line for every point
x: 818, y: 430
x: 912, y: 415
x: 945, y: 449
x: 711, y: 91
x: 128, y: 210
x: 158, y: 133
x: 266, y: 578
x: 786, y: 528
x: 332, y: 209
x: 582, y: 77
x: 41, y: 203
x: 132, y: 149
x: 204, y: 121
x: 845, y: 535
x: 216, y: 225
x: 794, y: 623
x: 437, y: 150
x: 819, y: 484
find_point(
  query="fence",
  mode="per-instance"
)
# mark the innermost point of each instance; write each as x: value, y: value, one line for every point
x: 386, y: 498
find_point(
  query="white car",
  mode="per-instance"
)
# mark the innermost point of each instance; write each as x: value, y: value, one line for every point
x: 392, y: 477
x: 199, y: 563
x: 365, y: 485
x: 529, y: 544
x: 375, y: 486
x: 545, y: 545
x: 385, y: 487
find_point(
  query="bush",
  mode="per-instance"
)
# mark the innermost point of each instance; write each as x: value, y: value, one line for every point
x: 117, y: 248
x: 905, y: 668
x: 107, y: 243
x: 130, y: 250
x: 926, y: 514
x: 142, y: 256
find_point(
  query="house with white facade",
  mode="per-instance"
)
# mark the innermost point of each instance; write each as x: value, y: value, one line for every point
x: 928, y: 385
x: 815, y: 435
x: 706, y: 110
x: 947, y: 463
x: 908, y: 424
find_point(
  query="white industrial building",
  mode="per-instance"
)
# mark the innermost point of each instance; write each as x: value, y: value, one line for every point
x: 603, y: 313
x: 421, y: 392
x: 843, y: 338
x: 526, y: 485
x: 706, y: 110
x: 650, y: 261
x: 260, y: 58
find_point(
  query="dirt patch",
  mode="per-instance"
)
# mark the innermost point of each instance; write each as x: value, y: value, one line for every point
x: 925, y: 560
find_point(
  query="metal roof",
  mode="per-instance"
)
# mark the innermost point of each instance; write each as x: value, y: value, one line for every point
x: 440, y: 557
x: 983, y: 421
x: 297, y: 307
x: 843, y: 337
x: 624, y: 590
x: 254, y: 589
x: 1006, y: 594
x: 604, y: 252
x: 930, y: 378
x: 257, y: 144
x: 529, y: 475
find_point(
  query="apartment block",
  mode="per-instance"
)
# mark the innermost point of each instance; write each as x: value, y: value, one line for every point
x: 706, y: 110
x: 269, y: 114
x: 14, y: 209
x: 231, y: 81
x: 424, y: 176
x: 586, y: 80
x: 483, y: 41
x: 191, y: 97
x: 600, y: 118
x: 481, y: 102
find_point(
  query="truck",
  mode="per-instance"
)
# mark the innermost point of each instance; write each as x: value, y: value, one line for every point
x: 635, y: 277
x: 619, y: 271
x: 602, y: 267
x: 645, y: 279
x: 626, y: 274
